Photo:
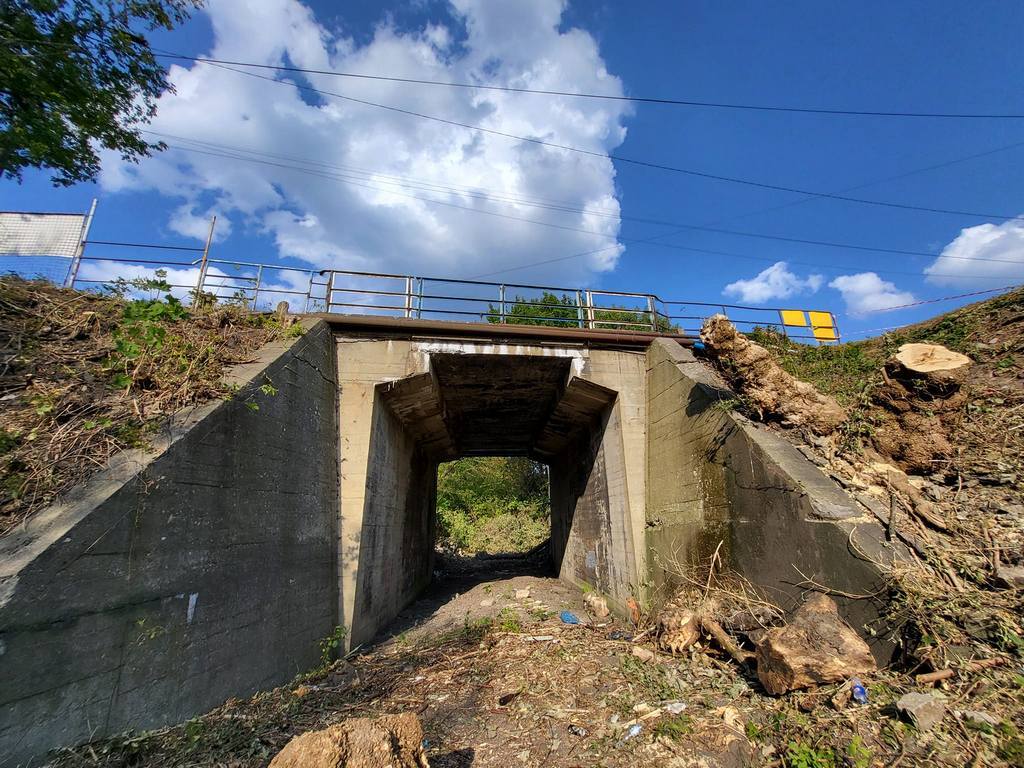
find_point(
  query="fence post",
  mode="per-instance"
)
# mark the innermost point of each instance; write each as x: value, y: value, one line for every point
x: 204, y: 262
x: 76, y: 261
x: 501, y: 300
x: 579, y: 308
x: 653, y: 312
x: 409, y: 297
x: 256, y: 289
x: 590, y: 309
x: 419, y: 298
x: 329, y: 294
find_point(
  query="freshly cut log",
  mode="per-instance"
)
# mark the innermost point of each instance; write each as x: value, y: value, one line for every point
x: 929, y: 358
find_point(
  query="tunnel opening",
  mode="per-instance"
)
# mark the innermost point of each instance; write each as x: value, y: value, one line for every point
x: 459, y: 412
x: 493, y: 516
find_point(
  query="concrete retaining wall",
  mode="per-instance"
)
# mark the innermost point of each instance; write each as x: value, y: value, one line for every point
x: 715, y: 480
x: 179, y: 578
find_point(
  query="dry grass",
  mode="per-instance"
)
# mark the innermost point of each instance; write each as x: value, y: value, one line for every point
x: 83, y: 376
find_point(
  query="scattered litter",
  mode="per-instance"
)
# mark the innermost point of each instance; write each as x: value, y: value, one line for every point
x: 618, y: 634
x: 540, y: 638
x: 925, y: 710
x: 858, y: 691
x: 675, y: 707
x: 576, y: 730
x: 614, y: 719
x: 633, y: 732
x: 568, y: 617
x: 486, y: 603
x: 522, y: 594
x: 596, y: 604
x: 508, y: 698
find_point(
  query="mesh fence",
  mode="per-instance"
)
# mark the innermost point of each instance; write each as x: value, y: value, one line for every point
x: 52, y: 268
x: 37, y: 245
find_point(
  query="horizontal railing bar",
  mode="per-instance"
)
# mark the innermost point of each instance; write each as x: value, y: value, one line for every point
x: 141, y: 261
x: 144, y: 245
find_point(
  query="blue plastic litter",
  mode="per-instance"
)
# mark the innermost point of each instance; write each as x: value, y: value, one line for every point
x: 860, y: 693
x: 698, y: 345
x: 568, y: 617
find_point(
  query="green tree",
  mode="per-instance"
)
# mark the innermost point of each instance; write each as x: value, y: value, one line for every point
x: 493, y: 503
x: 76, y: 76
x: 562, y: 312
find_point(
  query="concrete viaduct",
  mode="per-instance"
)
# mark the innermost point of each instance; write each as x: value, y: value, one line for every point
x: 210, y: 567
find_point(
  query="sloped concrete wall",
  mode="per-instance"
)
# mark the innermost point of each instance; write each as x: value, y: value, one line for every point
x: 718, y: 481
x: 179, y: 578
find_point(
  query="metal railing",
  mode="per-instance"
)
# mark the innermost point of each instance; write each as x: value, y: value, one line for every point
x: 261, y: 286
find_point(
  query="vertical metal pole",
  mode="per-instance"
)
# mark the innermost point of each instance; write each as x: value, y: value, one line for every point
x: 256, y: 290
x: 408, y: 298
x: 204, y: 261
x: 590, y: 309
x: 653, y: 313
x: 579, y: 308
x: 309, y: 293
x: 76, y: 260
x: 419, y: 298
x: 330, y: 292
x: 501, y: 299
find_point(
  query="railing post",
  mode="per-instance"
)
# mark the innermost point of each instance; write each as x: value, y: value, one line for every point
x: 256, y: 289
x: 309, y: 293
x: 204, y: 263
x: 76, y: 262
x: 330, y: 292
x: 419, y: 298
x: 653, y: 312
x: 590, y: 309
x: 408, y: 297
x: 501, y: 300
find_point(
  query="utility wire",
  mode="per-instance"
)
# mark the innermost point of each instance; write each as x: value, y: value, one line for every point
x: 619, y: 158
x: 603, y: 96
x: 336, y: 177
x: 545, y: 92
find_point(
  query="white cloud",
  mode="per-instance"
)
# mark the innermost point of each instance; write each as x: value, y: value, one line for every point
x: 185, y: 221
x: 775, y: 282
x: 358, y: 209
x: 988, y: 254
x: 866, y: 292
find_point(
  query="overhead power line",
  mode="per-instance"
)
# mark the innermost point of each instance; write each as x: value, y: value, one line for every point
x: 618, y: 158
x: 664, y: 100
x: 671, y: 246
x: 606, y: 96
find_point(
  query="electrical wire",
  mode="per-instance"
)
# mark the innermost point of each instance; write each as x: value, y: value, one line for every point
x: 671, y: 246
x: 603, y: 96
x: 619, y: 158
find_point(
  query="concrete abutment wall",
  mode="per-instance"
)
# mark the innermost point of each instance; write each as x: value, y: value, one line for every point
x: 211, y: 567
x: 180, y: 577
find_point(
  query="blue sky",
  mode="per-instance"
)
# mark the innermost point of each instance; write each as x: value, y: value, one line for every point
x: 907, y: 56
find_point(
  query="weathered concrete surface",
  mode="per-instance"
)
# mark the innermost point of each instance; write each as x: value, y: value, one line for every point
x: 407, y: 405
x: 182, y: 577
x: 717, y: 480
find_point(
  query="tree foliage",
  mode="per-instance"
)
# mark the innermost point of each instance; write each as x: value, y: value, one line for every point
x: 563, y: 312
x: 494, y: 503
x: 76, y: 76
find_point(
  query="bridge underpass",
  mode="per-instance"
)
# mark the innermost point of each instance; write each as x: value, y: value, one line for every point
x: 405, y: 406
x: 212, y: 566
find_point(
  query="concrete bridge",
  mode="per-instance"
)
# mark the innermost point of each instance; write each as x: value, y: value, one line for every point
x: 212, y: 566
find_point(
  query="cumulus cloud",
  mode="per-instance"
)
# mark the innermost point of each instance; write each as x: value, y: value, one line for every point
x: 339, y: 183
x: 988, y: 254
x: 775, y: 282
x: 185, y: 221
x: 866, y: 292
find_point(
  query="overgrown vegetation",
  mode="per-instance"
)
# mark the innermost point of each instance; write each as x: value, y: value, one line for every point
x: 492, y: 504
x: 84, y: 375
x: 563, y: 311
